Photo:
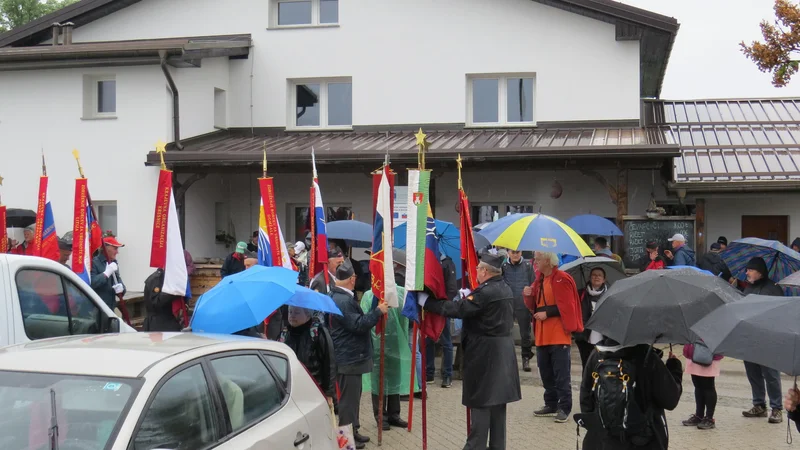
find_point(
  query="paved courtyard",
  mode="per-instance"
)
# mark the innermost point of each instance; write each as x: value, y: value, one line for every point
x: 447, y: 420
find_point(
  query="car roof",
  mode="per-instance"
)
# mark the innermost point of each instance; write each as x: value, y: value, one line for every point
x: 116, y: 355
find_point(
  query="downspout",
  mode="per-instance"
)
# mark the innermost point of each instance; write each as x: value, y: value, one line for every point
x: 176, y: 118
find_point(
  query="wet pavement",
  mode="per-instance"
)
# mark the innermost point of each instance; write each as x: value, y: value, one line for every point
x: 447, y: 418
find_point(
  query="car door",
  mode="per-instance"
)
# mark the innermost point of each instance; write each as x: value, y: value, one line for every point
x: 258, y: 410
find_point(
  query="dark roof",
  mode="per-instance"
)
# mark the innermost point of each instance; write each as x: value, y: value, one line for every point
x: 239, y: 147
x: 655, y: 31
x: 736, y: 141
x: 180, y: 51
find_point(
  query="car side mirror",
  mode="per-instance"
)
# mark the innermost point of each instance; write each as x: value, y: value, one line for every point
x: 113, y: 325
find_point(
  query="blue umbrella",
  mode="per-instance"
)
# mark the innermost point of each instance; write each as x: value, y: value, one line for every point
x: 244, y: 300
x: 536, y: 232
x: 696, y: 269
x: 593, y: 224
x: 781, y: 260
x: 355, y: 233
x: 447, y: 235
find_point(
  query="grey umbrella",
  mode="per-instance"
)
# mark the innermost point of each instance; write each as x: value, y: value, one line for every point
x: 659, y: 306
x: 581, y: 269
x: 758, y: 328
x: 792, y: 280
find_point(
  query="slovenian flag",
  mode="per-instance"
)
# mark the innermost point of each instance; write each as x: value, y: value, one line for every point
x: 87, y: 237
x: 381, y: 264
x: 269, y: 230
x: 167, y: 249
x: 319, y: 236
x: 45, y: 239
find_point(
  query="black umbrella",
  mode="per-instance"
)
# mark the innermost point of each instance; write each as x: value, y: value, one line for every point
x: 758, y: 328
x: 19, y: 218
x: 659, y: 306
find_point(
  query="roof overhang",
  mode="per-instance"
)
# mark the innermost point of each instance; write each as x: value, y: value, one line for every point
x: 735, y: 186
x: 179, y: 52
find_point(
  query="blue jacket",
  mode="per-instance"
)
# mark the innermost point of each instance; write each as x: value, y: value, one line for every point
x: 101, y: 284
x: 352, y: 342
x: 684, y: 256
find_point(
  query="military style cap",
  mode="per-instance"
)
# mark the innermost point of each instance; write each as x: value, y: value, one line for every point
x: 336, y: 252
x: 492, y: 260
x: 345, y: 271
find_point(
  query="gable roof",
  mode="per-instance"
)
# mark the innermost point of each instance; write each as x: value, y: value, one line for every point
x: 655, y: 32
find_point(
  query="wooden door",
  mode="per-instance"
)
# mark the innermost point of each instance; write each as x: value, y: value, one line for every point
x: 774, y: 228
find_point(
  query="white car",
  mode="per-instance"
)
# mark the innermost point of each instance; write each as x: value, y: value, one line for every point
x: 147, y: 391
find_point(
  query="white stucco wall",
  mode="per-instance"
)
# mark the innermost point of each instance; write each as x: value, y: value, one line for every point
x: 724, y: 212
x: 408, y: 60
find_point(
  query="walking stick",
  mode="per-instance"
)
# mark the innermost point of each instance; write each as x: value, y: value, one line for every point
x: 414, y: 330
x: 380, y: 379
x: 424, y: 387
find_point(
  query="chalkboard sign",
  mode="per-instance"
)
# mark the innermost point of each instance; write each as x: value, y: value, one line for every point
x: 639, y: 230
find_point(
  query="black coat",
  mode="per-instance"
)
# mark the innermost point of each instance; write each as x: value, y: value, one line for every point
x: 659, y: 387
x: 318, y: 283
x: 713, y: 263
x: 313, y: 345
x: 764, y: 286
x: 586, y: 310
x: 491, y: 375
x: 159, y: 305
x: 103, y: 286
x: 352, y: 341
x: 232, y: 265
x: 450, y: 277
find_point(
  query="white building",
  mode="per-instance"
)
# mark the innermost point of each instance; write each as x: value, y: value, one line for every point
x: 537, y: 95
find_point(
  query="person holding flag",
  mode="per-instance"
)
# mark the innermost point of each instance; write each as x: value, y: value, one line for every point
x: 491, y: 376
x: 106, y: 280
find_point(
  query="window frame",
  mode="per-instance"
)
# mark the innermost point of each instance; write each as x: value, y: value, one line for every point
x: 316, y: 16
x: 502, y: 100
x: 91, y: 96
x: 323, y: 103
x: 96, y: 96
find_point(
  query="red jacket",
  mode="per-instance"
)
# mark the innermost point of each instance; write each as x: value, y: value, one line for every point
x: 656, y: 265
x: 567, y: 300
x: 26, y: 250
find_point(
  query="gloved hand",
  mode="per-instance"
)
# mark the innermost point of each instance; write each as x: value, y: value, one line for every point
x: 464, y: 292
x: 119, y: 288
x: 110, y: 269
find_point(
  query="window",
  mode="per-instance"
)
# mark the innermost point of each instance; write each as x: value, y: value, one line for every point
x: 107, y: 215
x: 302, y: 227
x: 47, y: 312
x: 281, y: 366
x: 181, y: 416
x: 220, y: 108
x: 322, y: 104
x: 249, y: 389
x: 299, y: 13
x: 486, y: 213
x: 99, y: 97
x: 494, y: 100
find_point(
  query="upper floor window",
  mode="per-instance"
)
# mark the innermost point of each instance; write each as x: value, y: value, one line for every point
x: 293, y: 13
x: 321, y: 104
x: 501, y: 100
x: 99, y: 97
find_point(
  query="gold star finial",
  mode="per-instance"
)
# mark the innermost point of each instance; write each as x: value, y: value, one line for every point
x: 420, y: 135
x: 161, y: 149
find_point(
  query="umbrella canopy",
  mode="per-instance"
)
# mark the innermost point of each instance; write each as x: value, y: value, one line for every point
x: 792, y: 280
x: 446, y: 234
x: 592, y: 224
x: 696, y: 269
x: 781, y: 260
x: 536, y: 232
x: 480, y: 241
x: 355, y: 233
x: 659, y: 306
x: 244, y: 300
x: 19, y: 218
x: 581, y: 269
x: 758, y: 328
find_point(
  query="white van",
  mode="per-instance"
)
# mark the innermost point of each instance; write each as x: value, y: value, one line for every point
x: 40, y: 298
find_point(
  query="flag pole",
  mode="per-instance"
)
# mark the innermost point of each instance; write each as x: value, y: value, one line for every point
x: 3, y: 233
x: 423, y: 347
x: 464, y: 281
x: 123, y: 308
x: 382, y: 356
x: 414, y: 330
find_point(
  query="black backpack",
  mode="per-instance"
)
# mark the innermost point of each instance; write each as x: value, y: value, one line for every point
x: 615, y: 390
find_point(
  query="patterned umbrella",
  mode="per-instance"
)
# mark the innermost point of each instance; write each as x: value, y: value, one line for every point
x: 536, y: 232
x: 781, y: 260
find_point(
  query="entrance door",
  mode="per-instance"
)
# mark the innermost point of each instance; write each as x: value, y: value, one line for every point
x: 774, y: 228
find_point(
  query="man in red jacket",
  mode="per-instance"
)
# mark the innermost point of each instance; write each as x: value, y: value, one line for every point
x: 553, y: 300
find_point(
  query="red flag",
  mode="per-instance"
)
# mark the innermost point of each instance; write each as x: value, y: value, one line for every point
x: 469, y: 258
x: 271, y: 220
x: 3, y: 230
x: 158, y: 251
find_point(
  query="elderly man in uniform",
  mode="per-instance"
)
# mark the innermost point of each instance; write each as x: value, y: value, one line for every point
x: 491, y: 374
x: 335, y: 259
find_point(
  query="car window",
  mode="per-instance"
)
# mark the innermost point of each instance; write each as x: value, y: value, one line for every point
x: 249, y: 389
x: 86, y: 315
x: 181, y: 416
x: 281, y: 366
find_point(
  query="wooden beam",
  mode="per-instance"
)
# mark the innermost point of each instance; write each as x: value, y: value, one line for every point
x: 700, y: 226
x: 622, y: 208
x: 612, y: 190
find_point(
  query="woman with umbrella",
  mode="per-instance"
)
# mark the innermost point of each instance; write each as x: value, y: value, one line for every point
x: 313, y: 345
x: 589, y: 296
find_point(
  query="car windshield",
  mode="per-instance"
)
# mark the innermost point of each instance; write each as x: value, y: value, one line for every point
x: 86, y: 409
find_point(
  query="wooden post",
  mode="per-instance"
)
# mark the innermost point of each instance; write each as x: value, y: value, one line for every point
x: 179, y: 192
x: 700, y: 227
x: 622, y: 208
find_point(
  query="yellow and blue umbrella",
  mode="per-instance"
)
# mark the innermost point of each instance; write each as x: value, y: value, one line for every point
x: 535, y: 232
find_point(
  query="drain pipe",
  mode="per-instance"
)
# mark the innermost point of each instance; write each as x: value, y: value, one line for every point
x: 176, y: 118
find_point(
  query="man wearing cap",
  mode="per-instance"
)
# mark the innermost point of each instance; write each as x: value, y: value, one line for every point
x: 491, y: 374
x: 252, y: 246
x: 681, y: 254
x: 234, y: 263
x: 106, y: 281
x: 796, y: 244
x: 712, y: 262
x: 352, y: 345
x: 64, y: 251
x: 26, y: 247
x: 335, y: 259
x: 723, y: 242
x: 652, y: 260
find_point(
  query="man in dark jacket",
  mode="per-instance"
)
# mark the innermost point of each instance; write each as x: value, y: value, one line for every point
x: 796, y: 244
x: 658, y: 388
x: 352, y: 345
x: 159, y: 305
x: 758, y: 375
x: 491, y: 374
x: 313, y: 345
x: 234, y: 263
x: 335, y: 258
x: 445, y: 339
x: 105, y: 280
x: 712, y: 262
x: 518, y: 273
